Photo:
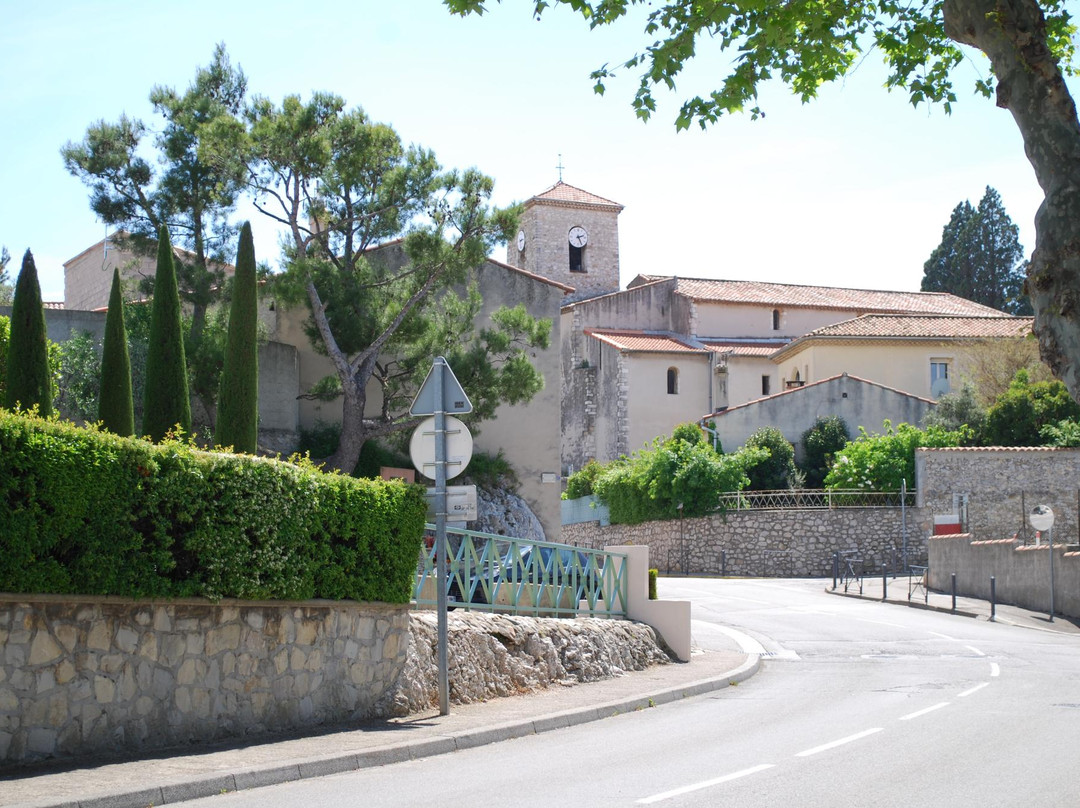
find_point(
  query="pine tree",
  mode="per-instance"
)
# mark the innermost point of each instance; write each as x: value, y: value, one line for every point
x: 115, y: 405
x: 980, y: 257
x: 238, y: 410
x: 166, y: 403
x: 28, y: 381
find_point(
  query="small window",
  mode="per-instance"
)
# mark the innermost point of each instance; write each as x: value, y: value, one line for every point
x: 577, y: 259
x: 939, y: 377
x: 776, y: 319
x: 673, y: 381
x: 766, y: 385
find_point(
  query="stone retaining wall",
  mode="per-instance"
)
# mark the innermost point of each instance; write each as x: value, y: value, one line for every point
x: 784, y: 543
x: 93, y: 675
x: 1021, y: 573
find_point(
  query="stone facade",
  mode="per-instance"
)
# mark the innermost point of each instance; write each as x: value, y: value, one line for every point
x: 999, y: 485
x: 546, y: 223
x: 782, y: 543
x: 95, y: 675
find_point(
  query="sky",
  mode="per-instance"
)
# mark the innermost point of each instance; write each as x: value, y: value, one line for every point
x: 850, y: 190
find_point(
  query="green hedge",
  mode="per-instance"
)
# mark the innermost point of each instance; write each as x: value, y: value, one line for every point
x: 87, y: 512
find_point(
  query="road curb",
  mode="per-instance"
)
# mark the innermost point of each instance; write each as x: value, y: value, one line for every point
x: 201, y: 786
x: 911, y: 604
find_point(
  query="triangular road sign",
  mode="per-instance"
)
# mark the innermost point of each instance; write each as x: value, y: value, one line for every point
x: 454, y: 400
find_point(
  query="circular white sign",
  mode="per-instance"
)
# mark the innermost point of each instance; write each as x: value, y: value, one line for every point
x: 459, y: 447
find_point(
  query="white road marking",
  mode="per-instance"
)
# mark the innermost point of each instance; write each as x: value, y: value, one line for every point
x: 841, y: 742
x: 943, y: 636
x: 994, y: 669
x: 706, y: 784
x: 747, y: 644
x: 974, y: 650
x: 924, y: 711
x: 975, y: 689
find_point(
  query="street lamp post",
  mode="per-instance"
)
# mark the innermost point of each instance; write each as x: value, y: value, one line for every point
x: 682, y: 541
x: 1042, y: 519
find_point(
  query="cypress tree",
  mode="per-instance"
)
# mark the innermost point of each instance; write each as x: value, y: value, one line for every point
x: 166, y: 403
x: 28, y: 381
x: 238, y: 408
x: 115, y: 406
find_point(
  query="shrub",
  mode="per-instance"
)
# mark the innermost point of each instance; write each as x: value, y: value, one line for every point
x: 882, y: 462
x: 956, y: 410
x: 93, y: 513
x: 777, y: 470
x: 653, y: 575
x: 238, y: 406
x: 116, y: 407
x: 1018, y: 414
x: 820, y: 442
x: 580, y: 483
x: 28, y: 380
x: 167, y: 404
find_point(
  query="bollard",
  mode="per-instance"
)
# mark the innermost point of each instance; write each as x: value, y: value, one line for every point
x: 954, y: 591
x: 884, y: 582
x: 835, y: 569
x: 993, y: 598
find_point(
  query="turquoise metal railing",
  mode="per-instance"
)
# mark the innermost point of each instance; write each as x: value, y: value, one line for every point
x: 500, y: 574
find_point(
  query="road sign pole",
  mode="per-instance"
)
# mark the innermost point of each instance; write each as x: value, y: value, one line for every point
x: 440, y: 535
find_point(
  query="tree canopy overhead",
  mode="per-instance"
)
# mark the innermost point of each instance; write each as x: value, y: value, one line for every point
x: 806, y: 43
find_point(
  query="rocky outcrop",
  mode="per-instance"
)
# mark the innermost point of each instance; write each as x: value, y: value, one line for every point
x: 504, y: 513
x: 500, y: 655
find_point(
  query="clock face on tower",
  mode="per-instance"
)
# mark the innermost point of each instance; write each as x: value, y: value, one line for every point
x: 521, y: 240
x: 578, y: 237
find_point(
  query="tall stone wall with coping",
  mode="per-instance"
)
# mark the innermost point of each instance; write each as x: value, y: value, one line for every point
x: 1000, y: 484
x: 90, y: 675
x: 781, y: 543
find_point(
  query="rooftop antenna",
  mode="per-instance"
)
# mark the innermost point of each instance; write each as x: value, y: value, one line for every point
x: 105, y: 244
x: 560, y: 167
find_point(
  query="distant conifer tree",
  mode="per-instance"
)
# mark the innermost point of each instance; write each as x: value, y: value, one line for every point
x: 238, y: 407
x: 28, y: 381
x: 115, y: 406
x: 166, y: 403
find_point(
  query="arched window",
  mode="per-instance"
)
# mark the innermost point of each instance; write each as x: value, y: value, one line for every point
x: 776, y: 319
x: 673, y: 381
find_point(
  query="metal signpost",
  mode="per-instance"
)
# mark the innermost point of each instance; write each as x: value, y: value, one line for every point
x: 1042, y: 519
x: 439, y: 395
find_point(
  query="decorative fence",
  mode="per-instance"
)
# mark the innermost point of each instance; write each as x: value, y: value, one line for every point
x: 494, y: 573
x: 815, y: 499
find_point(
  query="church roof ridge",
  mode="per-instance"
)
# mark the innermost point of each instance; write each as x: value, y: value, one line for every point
x: 564, y: 193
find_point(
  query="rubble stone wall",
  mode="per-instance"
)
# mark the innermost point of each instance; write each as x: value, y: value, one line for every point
x: 780, y: 543
x: 95, y: 675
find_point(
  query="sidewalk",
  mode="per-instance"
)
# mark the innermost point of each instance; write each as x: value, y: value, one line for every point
x: 174, y: 775
x: 897, y: 589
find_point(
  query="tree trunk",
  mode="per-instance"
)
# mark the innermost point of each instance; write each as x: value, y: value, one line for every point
x: 353, y: 436
x: 1012, y: 33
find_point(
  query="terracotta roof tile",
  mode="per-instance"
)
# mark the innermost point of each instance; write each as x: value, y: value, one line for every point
x: 744, y: 348
x: 643, y: 341
x: 824, y: 297
x: 561, y: 192
x: 908, y: 326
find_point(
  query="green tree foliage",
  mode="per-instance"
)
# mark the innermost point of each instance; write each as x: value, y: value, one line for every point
x: 1021, y: 412
x: 28, y: 383
x: 1028, y: 43
x: 78, y: 380
x: 166, y: 404
x: 7, y: 288
x: 238, y: 399
x: 193, y: 196
x: 116, y: 407
x: 777, y: 470
x: 957, y: 410
x: 1063, y: 434
x: 580, y: 483
x: 347, y: 189
x: 980, y: 257
x: 882, y: 462
x: 650, y: 484
x: 820, y: 442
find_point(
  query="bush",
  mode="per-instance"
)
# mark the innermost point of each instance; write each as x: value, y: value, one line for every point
x: 883, y: 462
x: 93, y: 513
x: 777, y: 470
x: 653, y: 575
x: 1018, y: 414
x: 957, y: 410
x: 651, y: 484
x: 820, y: 442
x: 580, y: 483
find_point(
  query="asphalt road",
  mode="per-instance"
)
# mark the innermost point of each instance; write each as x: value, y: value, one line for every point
x: 858, y: 703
